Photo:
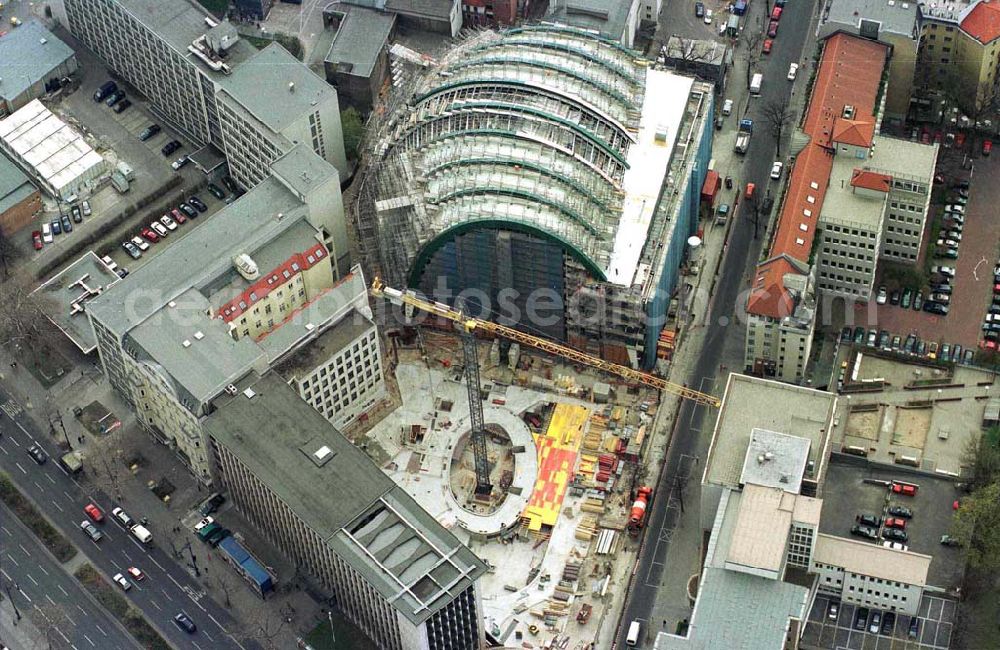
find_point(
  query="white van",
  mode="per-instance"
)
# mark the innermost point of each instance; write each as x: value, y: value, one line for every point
x: 755, y: 83
x: 140, y: 533
x: 46, y: 233
x: 632, y: 638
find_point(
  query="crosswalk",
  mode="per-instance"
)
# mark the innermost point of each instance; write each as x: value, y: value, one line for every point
x: 11, y: 408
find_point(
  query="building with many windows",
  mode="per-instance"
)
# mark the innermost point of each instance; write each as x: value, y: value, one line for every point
x: 190, y: 67
x: 395, y: 572
x: 249, y: 287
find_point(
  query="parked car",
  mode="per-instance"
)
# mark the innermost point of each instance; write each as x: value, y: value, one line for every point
x: 37, y: 454
x: 170, y: 147
x: 198, y: 203
x: 768, y: 45
x: 904, y: 488
x: 859, y: 335
x: 947, y: 271
x: 900, y: 511
x: 67, y: 225
x: 868, y: 520
x: 907, y: 297
x: 969, y: 357
x: 76, y: 214
x: 943, y: 298
x: 918, y: 301
x: 896, y: 342
x: 883, y: 339
x: 895, y: 522
x: 132, y: 250
x: 180, y: 162
x: 188, y: 210
x: 114, y: 98
x: 140, y: 243
x: 122, y: 582
x: 894, y: 297
x: 947, y: 253
x: 108, y: 262
x: 122, y: 106
x: 47, y: 233
x: 914, y: 630
x: 708, y: 17
x: 944, y: 356
x: 948, y: 243
x: 864, y: 531
x: 894, y: 534
x: 178, y: 216
x: 149, y: 235
x: 832, y: 610
x: 36, y: 239
x: 948, y: 540
x: 872, y: 338
x: 987, y: 147
x: 793, y: 68
x: 845, y: 335
x: 158, y: 228
x: 212, y: 504
x: 776, y: 169
x: 91, y: 531
x: 204, y: 522
x: 168, y: 222
x: 217, y: 192
x: 772, y: 29
x: 955, y: 208
x: 874, y: 622
x: 860, y: 618
x: 148, y: 132
x: 699, y: 10
x: 882, y: 295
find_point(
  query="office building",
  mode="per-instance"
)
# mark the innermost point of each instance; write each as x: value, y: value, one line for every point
x: 33, y: 62
x: 395, y: 572
x: 191, y: 68
x: 255, y: 283
x: 358, y: 60
x: 543, y: 159
x: 617, y: 20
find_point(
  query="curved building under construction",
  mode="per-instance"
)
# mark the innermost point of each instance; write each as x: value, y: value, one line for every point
x: 552, y: 175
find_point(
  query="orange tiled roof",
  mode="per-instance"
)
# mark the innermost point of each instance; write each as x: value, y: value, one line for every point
x: 859, y: 133
x: 871, y: 180
x: 983, y: 22
x: 849, y: 74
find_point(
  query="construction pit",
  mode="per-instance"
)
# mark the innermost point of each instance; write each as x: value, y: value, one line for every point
x: 563, y: 471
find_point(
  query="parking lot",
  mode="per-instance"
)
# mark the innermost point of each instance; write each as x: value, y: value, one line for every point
x: 115, y: 136
x: 934, y: 631
x: 931, y: 507
x: 973, y: 281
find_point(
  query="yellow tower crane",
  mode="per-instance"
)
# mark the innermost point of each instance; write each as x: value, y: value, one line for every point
x: 469, y: 325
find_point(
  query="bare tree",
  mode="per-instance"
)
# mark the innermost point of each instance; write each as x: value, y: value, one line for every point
x: 752, y: 41
x: 265, y: 626
x: 110, y: 454
x: 24, y: 321
x: 9, y: 253
x: 51, y: 620
x: 222, y: 580
x: 684, y: 54
x: 777, y: 116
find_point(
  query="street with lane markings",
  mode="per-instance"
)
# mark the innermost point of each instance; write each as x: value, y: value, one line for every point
x: 168, y: 587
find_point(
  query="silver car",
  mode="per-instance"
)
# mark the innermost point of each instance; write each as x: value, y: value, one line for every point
x: 91, y: 531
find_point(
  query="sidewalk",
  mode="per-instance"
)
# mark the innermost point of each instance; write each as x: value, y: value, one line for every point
x: 17, y: 634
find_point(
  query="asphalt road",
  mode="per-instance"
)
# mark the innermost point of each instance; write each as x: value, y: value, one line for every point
x: 727, y: 302
x: 167, y: 589
x: 36, y: 581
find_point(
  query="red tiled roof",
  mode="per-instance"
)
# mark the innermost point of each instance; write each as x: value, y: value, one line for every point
x: 295, y: 264
x: 856, y: 132
x: 983, y: 22
x: 871, y: 180
x: 849, y: 74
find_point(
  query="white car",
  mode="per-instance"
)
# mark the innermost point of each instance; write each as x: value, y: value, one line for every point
x: 776, y: 170
x: 180, y: 162
x: 158, y: 228
x: 204, y: 522
x: 168, y: 222
x: 792, y: 70
x: 882, y: 295
x: 122, y: 582
x: 110, y: 263
x: 708, y: 17
x: 46, y: 233
x: 140, y: 243
x: 948, y: 271
x: 727, y: 107
x: 952, y: 207
x: 86, y: 208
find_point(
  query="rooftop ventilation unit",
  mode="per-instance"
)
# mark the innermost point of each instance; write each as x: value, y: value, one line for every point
x: 246, y: 266
x: 249, y: 394
x: 186, y: 343
x: 231, y: 389
x: 199, y: 335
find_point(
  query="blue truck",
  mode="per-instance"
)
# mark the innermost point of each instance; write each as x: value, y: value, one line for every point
x: 250, y: 569
x: 741, y: 6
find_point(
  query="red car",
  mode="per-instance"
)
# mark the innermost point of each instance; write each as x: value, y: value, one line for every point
x: 959, y: 139
x: 925, y: 137
x: 904, y: 489
x: 149, y: 235
x: 988, y: 345
x: 895, y: 522
x: 94, y: 512
x: 178, y: 215
x: 772, y: 29
x: 776, y: 13
x: 36, y: 240
x: 996, y: 288
x: 768, y: 44
x: 987, y: 147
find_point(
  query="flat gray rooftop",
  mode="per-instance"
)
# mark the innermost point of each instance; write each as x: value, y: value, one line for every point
x: 334, y: 339
x: 200, y: 256
x: 28, y: 54
x: 608, y: 17
x: 179, y: 24
x: 775, y: 460
x: 359, y: 40
x: 62, y: 289
x: 751, y: 403
x: 340, y: 494
x: 302, y: 170
x: 898, y: 18
x: 263, y: 86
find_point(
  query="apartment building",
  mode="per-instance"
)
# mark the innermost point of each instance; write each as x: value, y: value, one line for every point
x: 959, y: 47
x: 251, y: 286
x: 894, y: 23
x: 191, y: 69
x: 870, y: 575
x: 779, y: 335
x: 395, y: 572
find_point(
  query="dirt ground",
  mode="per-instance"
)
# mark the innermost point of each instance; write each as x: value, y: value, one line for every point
x: 912, y: 425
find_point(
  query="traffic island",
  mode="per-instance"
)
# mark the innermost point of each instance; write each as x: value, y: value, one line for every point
x: 58, y: 545
x: 115, y: 603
